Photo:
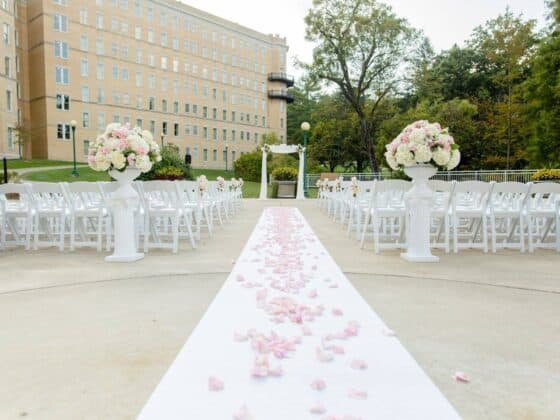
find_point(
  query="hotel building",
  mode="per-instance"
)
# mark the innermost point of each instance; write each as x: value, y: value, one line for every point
x: 207, y: 85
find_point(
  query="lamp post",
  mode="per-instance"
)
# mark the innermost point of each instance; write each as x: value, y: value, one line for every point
x: 73, y: 124
x: 227, y: 152
x: 162, y: 137
x: 305, y: 126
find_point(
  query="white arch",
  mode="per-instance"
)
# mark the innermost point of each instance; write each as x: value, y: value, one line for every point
x: 282, y: 149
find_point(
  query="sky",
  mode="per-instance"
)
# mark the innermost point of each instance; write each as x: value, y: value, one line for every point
x: 445, y: 22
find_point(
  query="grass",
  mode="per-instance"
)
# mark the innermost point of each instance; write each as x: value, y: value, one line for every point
x: 37, y: 163
x: 250, y: 189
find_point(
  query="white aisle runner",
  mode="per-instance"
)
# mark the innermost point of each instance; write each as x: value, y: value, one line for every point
x: 290, y: 338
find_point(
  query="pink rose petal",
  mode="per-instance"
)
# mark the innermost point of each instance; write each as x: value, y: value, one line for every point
x: 242, y: 414
x: 240, y: 278
x: 337, y: 312
x: 358, y: 394
x: 318, y: 385
x: 358, y: 364
x: 317, y: 409
x: 312, y: 294
x: 214, y: 384
x: 461, y: 377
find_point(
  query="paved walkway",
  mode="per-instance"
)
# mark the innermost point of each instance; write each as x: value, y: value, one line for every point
x: 85, y: 339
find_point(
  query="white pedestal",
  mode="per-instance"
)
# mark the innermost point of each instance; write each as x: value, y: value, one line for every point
x: 123, y: 203
x: 418, y: 202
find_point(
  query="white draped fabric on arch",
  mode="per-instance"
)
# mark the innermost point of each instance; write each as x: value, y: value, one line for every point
x: 282, y: 149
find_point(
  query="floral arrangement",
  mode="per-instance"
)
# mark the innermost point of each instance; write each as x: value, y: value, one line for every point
x: 120, y: 147
x: 354, y: 187
x: 423, y: 142
x: 221, y: 183
x: 202, y: 182
x: 338, y: 183
x: 241, y: 182
x: 234, y: 184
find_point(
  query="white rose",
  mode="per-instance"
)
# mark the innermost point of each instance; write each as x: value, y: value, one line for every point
x: 391, y: 161
x: 441, y: 156
x: 147, y: 136
x: 455, y: 159
x: 417, y: 136
x: 432, y: 130
x: 112, y: 127
x: 423, y: 153
x: 102, y: 162
x: 143, y: 163
x: 118, y: 160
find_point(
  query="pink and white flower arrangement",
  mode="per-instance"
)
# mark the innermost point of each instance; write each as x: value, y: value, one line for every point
x: 221, y: 183
x: 423, y: 142
x: 354, y: 186
x: 234, y: 184
x: 121, y: 146
x: 202, y: 182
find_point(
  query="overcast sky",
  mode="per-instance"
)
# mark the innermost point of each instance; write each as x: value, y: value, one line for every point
x: 445, y: 22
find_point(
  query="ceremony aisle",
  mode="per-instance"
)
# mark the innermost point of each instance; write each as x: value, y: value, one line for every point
x: 289, y: 338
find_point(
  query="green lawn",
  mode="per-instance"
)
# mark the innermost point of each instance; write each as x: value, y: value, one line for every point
x: 36, y: 163
x: 250, y: 189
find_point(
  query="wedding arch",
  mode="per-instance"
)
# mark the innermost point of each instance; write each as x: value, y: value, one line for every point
x: 282, y: 149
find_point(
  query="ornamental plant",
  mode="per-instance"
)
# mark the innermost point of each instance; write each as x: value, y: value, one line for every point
x: 285, y: 174
x: 546, y: 175
x: 423, y: 142
x: 120, y: 147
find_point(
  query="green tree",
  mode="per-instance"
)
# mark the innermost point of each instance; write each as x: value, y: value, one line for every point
x: 360, y: 47
x: 507, y: 42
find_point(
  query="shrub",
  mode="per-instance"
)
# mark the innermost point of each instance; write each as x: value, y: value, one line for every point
x: 248, y: 166
x: 285, y: 174
x: 547, y: 175
x: 170, y: 158
x: 170, y: 173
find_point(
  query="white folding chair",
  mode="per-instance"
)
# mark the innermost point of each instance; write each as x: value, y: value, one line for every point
x: 543, y: 216
x: 507, y: 209
x: 469, y: 214
x: 440, y: 213
x: 164, y: 214
x: 87, y: 213
x: 386, y: 214
x: 49, y: 221
x: 16, y: 215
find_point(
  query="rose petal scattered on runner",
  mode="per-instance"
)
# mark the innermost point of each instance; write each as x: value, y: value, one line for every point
x: 317, y: 409
x: 358, y: 364
x: 318, y: 385
x: 461, y: 377
x: 357, y: 394
x: 214, y: 384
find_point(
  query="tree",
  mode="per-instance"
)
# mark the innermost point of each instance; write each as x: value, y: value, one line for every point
x: 299, y: 111
x: 542, y: 92
x: 507, y: 42
x: 361, y: 47
x: 24, y: 137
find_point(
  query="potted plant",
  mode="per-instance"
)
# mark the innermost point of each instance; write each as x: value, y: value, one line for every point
x: 286, y: 179
x: 546, y: 175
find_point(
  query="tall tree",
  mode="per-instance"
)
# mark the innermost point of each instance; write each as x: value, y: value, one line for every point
x: 361, y: 47
x: 507, y: 42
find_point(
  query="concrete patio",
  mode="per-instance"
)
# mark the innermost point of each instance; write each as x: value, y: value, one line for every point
x: 83, y: 339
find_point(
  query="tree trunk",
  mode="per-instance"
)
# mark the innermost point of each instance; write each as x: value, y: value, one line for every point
x: 365, y: 133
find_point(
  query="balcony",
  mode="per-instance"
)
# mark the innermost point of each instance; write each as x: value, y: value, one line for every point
x: 281, y: 94
x: 281, y: 77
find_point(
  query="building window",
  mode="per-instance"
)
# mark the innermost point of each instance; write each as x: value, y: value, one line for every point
x: 224, y: 134
x: 214, y: 155
x: 152, y: 127
x: 176, y: 107
x: 205, y: 155
x: 10, y: 138
x: 83, y: 16
x: 224, y: 115
x: 233, y: 135
x: 100, y: 71
x: 84, y: 67
x: 164, y: 105
x: 99, y: 21
x: 233, y: 155
x: 175, y: 129
x: 63, y: 102
x: 139, y: 122
x: 60, y: 24
x: 151, y: 103
x: 85, y: 93
x: 8, y: 100
x: 205, y: 132
x: 84, y: 43
x: 85, y: 119
x: 164, y: 127
x: 205, y: 112
x: 224, y: 155
x: 99, y: 47
x: 214, y: 134
x: 214, y: 113
x: 187, y: 108
x: 63, y: 131
x: 7, y: 67
x: 62, y: 75
x: 61, y: 49
x: 86, y: 147
x: 101, y: 120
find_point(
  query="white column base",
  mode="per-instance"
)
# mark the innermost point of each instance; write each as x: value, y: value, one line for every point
x: 419, y: 258
x: 125, y: 258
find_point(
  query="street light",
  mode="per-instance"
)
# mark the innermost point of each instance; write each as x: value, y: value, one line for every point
x: 73, y: 124
x: 305, y: 127
x: 226, y: 156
